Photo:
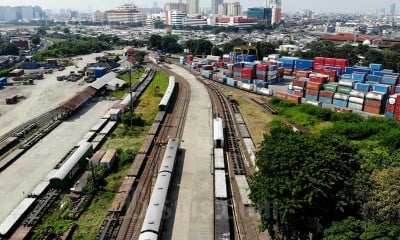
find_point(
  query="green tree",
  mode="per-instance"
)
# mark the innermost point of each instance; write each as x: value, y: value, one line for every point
x: 35, y: 39
x: 308, y: 177
x: 265, y: 48
x: 348, y: 229
x: 7, y: 48
x: 216, y: 51
x: 42, y: 31
x: 155, y: 42
x: 66, y: 31
x: 170, y: 44
x: 383, y: 205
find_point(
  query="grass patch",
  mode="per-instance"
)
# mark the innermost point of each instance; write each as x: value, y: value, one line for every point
x: 256, y: 118
x: 135, y: 76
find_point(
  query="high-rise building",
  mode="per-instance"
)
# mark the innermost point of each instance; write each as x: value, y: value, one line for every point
x: 175, y: 18
x: 21, y: 12
x: 175, y: 6
x: 214, y: 6
x: 263, y: 15
x: 268, y: 3
x: 230, y: 9
x: 276, y: 11
x: 127, y: 13
x: 193, y: 6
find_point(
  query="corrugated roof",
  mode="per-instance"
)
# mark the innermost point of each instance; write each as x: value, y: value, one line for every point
x: 79, y: 99
x: 104, y: 80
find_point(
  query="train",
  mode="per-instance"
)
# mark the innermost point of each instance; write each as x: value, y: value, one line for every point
x: 165, y: 101
x: 152, y: 224
x: 222, y: 223
x: 124, y: 194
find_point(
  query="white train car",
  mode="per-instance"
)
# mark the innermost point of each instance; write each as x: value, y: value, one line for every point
x: 168, y: 94
x: 218, y: 133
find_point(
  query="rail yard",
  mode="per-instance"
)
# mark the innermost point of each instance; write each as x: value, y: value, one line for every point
x: 177, y: 187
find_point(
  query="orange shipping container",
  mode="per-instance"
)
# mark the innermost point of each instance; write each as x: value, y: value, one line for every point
x: 314, y: 86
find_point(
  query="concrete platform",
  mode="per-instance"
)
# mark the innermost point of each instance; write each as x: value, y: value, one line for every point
x: 191, y: 201
x: 19, y: 179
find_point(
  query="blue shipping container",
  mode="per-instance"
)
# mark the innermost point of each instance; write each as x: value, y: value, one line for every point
x: 397, y: 89
x: 311, y: 97
x: 359, y: 77
x: 381, y: 73
x: 325, y: 100
x: 374, y: 78
x: 231, y: 82
x: 303, y: 64
x: 381, y: 88
x: 375, y: 67
x: 389, y: 80
x: 250, y: 58
x: 389, y: 115
x: 339, y: 102
x: 345, y: 77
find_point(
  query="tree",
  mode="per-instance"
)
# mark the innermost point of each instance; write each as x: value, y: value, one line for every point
x: 35, y: 39
x: 265, y: 48
x: 7, y: 48
x: 216, y: 51
x: 66, y: 31
x: 228, y: 47
x: 42, y: 31
x: 348, y: 229
x: 170, y: 44
x: 309, y: 179
x: 155, y: 42
x: 383, y: 205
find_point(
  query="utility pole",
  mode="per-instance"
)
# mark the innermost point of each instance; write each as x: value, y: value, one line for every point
x: 131, y: 54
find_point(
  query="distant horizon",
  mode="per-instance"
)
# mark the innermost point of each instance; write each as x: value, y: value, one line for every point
x: 289, y: 6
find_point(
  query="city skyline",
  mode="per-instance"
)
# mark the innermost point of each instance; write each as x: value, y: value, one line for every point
x: 287, y: 5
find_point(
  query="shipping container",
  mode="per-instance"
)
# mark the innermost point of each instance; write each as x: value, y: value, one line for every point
x: 326, y: 100
x: 355, y: 106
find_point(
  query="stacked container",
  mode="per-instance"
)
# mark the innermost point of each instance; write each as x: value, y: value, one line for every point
x: 312, y: 90
x: 298, y: 87
x: 374, y: 102
x: 391, y: 107
x: 229, y: 72
x: 356, y: 100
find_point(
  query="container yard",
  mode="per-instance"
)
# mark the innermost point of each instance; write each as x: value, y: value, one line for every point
x: 318, y: 81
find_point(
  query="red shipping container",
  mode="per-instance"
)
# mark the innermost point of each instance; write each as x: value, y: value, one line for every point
x: 373, y: 103
x: 262, y: 67
x: 305, y: 74
x: 314, y: 86
x: 298, y: 93
x: 299, y: 83
x: 219, y: 64
x: 390, y: 107
x: 330, y: 62
x: 293, y: 98
x: 319, y: 60
x: 261, y: 77
x: 342, y: 63
x: 281, y: 95
x: 312, y: 92
x: 325, y: 93
x: 371, y: 109
x: 318, y: 79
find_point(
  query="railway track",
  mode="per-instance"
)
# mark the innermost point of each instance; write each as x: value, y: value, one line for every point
x: 243, y: 229
x: 172, y: 128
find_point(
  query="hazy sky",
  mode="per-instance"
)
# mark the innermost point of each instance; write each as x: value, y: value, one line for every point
x: 288, y: 5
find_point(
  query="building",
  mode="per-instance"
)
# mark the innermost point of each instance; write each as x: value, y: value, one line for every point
x: 126, y: 13
x: 8, y: 14
x: 263, y: 15
x: 234, y: 22
x: 268, y: 3
x: 175, y: 7
x: 214, y: 6
x: 98, y: 16
x: 230, y: 9
x: 276, y: 12
x: 175, y: 18
x: 195, y: 21
x: 192, y: 6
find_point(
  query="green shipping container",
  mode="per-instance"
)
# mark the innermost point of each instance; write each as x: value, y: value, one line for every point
x: 345, y: 90
x: 330, y: 87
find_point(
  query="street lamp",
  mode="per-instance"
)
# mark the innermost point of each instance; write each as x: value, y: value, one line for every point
x: 131, y: 58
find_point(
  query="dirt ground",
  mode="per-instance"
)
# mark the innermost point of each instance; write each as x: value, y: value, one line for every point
x: 44, y: 95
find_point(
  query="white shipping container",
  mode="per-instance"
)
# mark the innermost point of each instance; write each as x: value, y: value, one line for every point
x: 341, y: 96
x: 318, y: 104
x: 375, y: 96
x: 346, y: 83
x: 357, y: 93
x: 219, y: 162
x: 247, y: 86
x: 272, y: 73
x: 265, y: 91
x: 356, y: 100
x: 355, y: 106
